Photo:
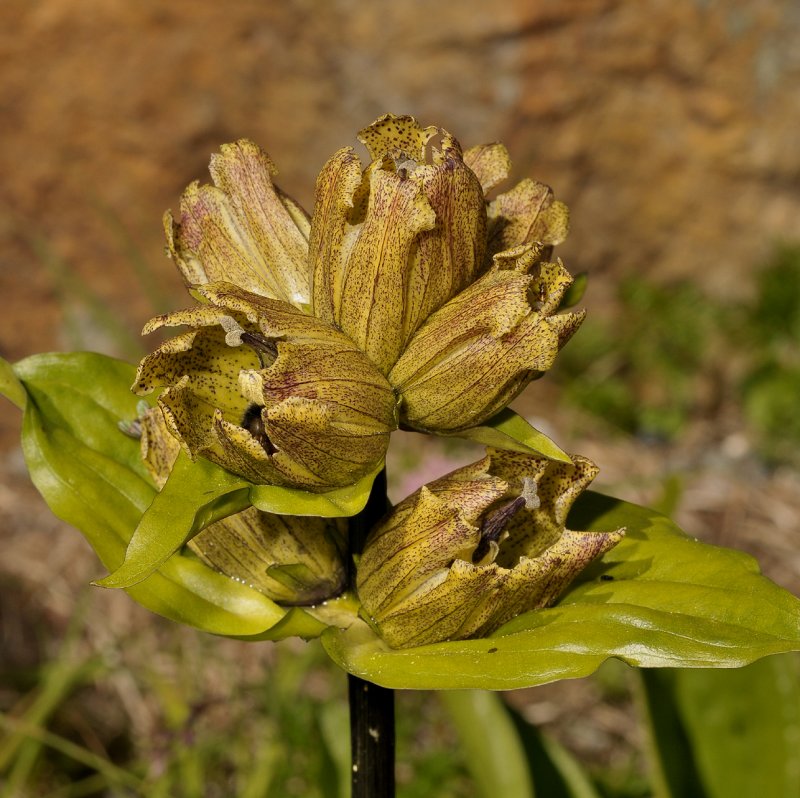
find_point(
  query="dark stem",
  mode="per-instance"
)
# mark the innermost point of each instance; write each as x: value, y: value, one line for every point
x: 371, y: 706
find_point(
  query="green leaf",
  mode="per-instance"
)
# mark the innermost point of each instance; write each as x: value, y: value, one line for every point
x: 10, y: 386
x: 195, y: 494
x: 91, y: 476
x: 510, y: 431
x: 721, y: 733
x: 493, y: 750
x: 658, y: 599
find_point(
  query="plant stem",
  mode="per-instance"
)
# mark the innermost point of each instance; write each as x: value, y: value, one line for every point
x: 371, y: 706
x: 371, y: 738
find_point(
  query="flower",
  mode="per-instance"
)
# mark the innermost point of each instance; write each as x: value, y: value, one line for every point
x: 269, y: 392
x: 473, y: 549
x: 391, y: 244
x: 475, y: 354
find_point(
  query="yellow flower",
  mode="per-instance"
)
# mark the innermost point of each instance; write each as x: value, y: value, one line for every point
x: 391, y: 244
x: 269, y: 392
x: 295, y: 561
x: 469, y: 551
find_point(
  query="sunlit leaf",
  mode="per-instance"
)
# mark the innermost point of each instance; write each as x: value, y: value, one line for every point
x: 510, y: 431
x: 195, y: 495
x: 339, y: 502
x: 658, y: 599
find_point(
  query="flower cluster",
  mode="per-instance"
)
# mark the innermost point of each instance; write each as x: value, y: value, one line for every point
x: 408, y: 299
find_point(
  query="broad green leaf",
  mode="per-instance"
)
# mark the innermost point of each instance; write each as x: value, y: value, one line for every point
x: 658, y: 599
x: 721, y: 733
x: 10, y: 386
x: 494, y: 752
x: 197, y: 493
x: 92, y: 477
x: 509, y: 430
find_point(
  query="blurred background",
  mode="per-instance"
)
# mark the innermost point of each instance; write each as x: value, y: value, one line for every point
x: 671, y: 131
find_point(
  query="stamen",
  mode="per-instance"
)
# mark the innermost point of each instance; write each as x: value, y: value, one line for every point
x: 266, y: 349
x: 494, y: 525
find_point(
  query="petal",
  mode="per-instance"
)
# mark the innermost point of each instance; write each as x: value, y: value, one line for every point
x: 490, y: 163
x: 538, y: 582
x: 377, y: 275
x: 159, y: 448
x: 237, y: 450
x: 409, y: 547
x: 242, y: 229
x: 531, y: 531
x: 208, y: 367
x: 336, y: 185
x: 475, y: 354
x: 272, y: 317
x: 311, y: 442
x: 441, y: 611
x: 448, y: 257
x: 396, y: 135
x: 525, y: 214
x: 342, y: 378
x: 189, y: 420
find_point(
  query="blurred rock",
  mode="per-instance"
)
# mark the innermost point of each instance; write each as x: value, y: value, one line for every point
x: 669, y: 127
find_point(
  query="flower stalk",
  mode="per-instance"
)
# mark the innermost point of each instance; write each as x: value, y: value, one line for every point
x: 372, y: 733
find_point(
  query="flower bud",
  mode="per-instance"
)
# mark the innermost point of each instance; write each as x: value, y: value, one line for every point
x: 391, y: 244
x: 475, y: 354
x: 470, y: 551
x: 269, y: 393
x: 295, y: 561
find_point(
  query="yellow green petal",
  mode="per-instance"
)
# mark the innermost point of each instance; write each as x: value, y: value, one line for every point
x: 294, y: 561
x: 159, y: 448
x: 336, y: 185
x: 525, y: 214
x: 450, y: 256
x: 490, y: 163
x: 376, y: 279
x: 211, y: 368
x: 396, y: 135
